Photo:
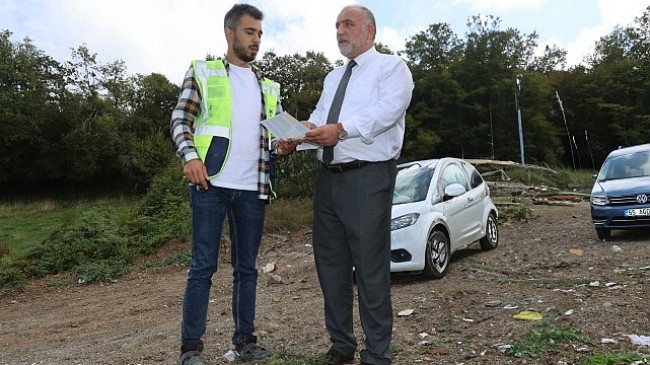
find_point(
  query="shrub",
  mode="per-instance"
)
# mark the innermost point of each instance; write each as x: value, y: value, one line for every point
x: 95, y: 236
x: 164, y: 212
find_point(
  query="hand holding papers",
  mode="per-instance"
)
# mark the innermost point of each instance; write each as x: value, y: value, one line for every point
x: 284, y: 126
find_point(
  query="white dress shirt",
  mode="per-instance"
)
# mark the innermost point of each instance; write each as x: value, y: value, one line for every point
x: 374, y: 108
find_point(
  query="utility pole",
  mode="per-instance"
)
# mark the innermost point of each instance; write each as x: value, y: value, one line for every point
x: 521, y: 134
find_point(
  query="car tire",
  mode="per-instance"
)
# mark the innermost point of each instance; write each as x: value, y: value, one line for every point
x: 603, y: 233
x: 437, y: 256
x: 491, y: 239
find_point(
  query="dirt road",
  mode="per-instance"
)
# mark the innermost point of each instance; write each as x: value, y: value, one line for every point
x: 552, y: 264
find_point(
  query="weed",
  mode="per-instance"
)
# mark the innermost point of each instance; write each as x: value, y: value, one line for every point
x: 615, y: 358
x: 543, y: 339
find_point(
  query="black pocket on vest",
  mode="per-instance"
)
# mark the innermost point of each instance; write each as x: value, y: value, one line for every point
x: 216, y: 156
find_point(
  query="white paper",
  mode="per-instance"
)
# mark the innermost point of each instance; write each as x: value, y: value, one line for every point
x: 286, y: 127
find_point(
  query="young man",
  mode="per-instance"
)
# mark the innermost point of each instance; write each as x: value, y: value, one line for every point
x: 353, y: 196
x: 226, y: 158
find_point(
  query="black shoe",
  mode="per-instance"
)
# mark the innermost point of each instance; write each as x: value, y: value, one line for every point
x: 333, y: 357
x: 248, y: 351
x: 248, y: 339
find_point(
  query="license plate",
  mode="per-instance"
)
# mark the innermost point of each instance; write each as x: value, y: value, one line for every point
x: 637, y: 212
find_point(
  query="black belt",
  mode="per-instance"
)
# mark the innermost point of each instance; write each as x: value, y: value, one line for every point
x: 341, y: 167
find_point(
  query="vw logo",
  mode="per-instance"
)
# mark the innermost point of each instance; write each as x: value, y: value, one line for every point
x: 642, y: 198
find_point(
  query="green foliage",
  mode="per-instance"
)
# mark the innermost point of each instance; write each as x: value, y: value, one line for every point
x: 97, y: 242
x: 87, y: 124
x: 164, y: 212
x: 100, y: 271
x: 146, y: 157
x: 569, y: 179
x: 11, y: 276
x: 563, y: 178
x: 622, y: 357
x: 60, y: 282
x: 96, y: 236
x: 296, y: 175
x: 286, y: 357
x: 543, y: 339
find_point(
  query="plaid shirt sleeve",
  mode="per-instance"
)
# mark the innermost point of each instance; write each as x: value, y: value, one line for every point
x: 183, y: 117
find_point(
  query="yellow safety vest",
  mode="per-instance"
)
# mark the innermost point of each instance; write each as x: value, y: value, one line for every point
x: 212, y: 129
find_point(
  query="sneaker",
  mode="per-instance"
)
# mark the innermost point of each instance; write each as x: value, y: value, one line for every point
x: 192, y: 358
x: 333, y: 357
x: 251, y: 352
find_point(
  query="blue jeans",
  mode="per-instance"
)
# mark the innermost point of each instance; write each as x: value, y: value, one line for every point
x: 245, y: 214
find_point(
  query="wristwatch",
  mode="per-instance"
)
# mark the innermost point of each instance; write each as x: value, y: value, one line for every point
x: 342, y: 133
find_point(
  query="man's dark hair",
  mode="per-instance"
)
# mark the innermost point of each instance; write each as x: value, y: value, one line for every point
x: 231, y: 20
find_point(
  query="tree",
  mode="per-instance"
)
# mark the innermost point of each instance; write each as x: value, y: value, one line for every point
x: 433, y: 49
x: 149, y: 148
x: 30, y: 84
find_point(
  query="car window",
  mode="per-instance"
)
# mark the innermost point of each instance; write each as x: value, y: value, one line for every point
x: 412, y: 184
x: 453, y: 174
x: 475, y: 178
x: 625, y: 166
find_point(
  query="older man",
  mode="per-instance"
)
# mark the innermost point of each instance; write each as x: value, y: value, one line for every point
x: 360, y: 121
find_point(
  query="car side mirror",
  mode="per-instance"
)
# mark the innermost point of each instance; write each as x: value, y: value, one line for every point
x: 454, y: 190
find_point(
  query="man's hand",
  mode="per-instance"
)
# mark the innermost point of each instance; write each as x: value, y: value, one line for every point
x: 308, y: 124
x: 326, y: 135
x: 196, y: 173
x: 284, y: 148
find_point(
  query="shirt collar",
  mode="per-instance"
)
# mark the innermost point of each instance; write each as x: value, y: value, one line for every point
x: 256, y: 71
x: 366, y: 56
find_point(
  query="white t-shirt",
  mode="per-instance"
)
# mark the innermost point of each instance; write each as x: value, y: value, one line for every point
x: 241, y: 168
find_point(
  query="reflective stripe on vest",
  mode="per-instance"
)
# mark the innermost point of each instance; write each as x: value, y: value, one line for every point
x: 212, y: 131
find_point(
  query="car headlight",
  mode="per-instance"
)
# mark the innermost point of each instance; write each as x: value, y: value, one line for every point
x: 599, y: 200
x: 404, y: 221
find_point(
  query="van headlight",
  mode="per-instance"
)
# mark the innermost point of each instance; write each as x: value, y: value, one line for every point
x: 599, y: 200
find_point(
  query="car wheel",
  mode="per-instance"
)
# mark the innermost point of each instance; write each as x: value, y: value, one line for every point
x: 603, y: 233
x: 438, y: 254
x: 491, y: 239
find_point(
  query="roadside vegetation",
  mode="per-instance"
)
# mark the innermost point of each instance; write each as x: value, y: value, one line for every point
x: 84, y: 241
x: 92, y: 241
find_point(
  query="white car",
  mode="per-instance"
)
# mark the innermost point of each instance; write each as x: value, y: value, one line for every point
x: 439, y: 206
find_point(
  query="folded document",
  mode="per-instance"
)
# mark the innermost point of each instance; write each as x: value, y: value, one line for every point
x: 284, y: 126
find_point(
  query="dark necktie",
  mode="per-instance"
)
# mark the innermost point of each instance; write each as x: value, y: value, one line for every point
x: 335, y: 109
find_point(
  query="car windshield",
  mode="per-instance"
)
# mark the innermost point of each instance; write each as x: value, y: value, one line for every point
x: 626, y: 166
x: 412, y: 184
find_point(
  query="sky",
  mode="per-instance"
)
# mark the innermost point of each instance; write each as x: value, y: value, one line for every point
x: 163, y: 36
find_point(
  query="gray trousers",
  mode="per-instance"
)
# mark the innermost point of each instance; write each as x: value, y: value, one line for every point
x: 352, y: 211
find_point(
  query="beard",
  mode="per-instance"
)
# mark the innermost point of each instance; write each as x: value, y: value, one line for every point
x: 346, y: 49
x: 244, y: 54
